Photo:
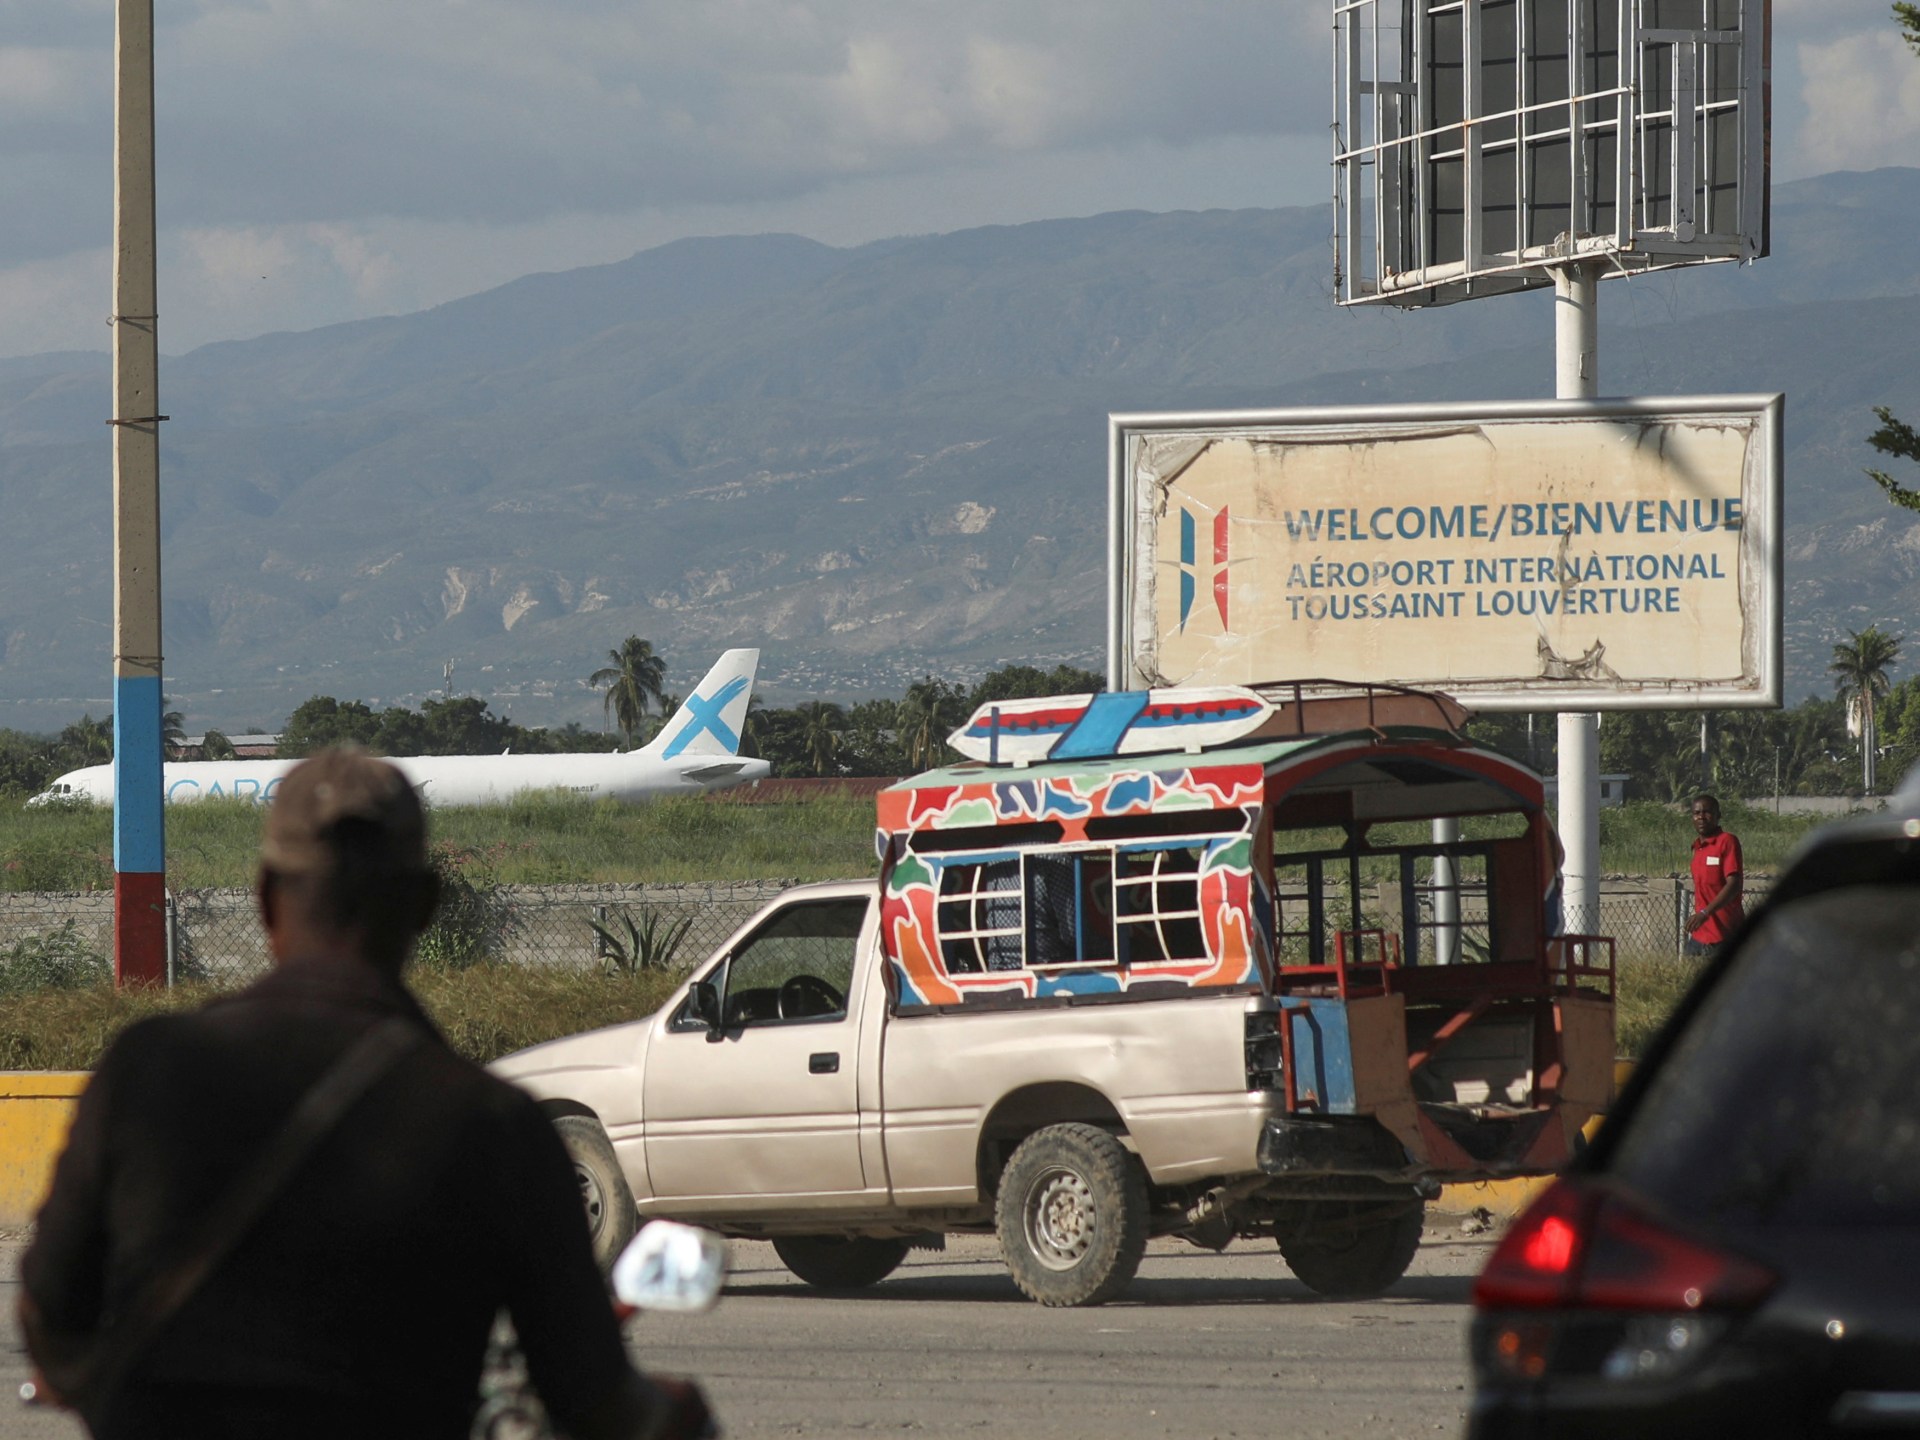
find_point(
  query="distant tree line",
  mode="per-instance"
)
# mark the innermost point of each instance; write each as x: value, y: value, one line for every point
x: 1839, y: 746
x: 1846, y: 745
x: 818, y: 737
x: 892, y: 737
x: 454, y: 725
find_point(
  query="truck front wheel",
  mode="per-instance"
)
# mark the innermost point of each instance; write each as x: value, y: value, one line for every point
x: 611, y: 1218
x: 1072, y: 1215
x: 1350, y: 1251
x: 839, y: 1262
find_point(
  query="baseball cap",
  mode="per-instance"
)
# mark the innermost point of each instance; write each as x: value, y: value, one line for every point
x: 344, y: 802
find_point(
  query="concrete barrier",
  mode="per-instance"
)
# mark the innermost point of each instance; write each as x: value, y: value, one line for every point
x: 36, y: 1107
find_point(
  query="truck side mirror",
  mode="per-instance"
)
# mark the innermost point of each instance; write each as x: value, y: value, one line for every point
x: 706, y: 1006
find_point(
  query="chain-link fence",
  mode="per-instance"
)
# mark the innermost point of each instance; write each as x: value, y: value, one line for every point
x: 1646, y: 918
x: 215, y: 934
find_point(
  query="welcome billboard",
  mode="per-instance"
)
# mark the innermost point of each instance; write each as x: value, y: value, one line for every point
x: 1551, y: 555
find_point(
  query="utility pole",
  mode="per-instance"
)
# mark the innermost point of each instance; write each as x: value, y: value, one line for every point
x: 139, y: 839
x: 1576, y: 373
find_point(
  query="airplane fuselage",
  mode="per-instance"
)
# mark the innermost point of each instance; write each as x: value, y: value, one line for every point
x: 696, y: 750
x: 446, y: 780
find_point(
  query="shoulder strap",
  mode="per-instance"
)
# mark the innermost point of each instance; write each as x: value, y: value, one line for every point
x: 227, y: 1223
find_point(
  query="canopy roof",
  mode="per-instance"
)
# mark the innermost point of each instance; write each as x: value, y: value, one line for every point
x: 1399, y: 772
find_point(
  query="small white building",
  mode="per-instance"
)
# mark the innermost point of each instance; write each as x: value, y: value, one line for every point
x: 1613, y: 790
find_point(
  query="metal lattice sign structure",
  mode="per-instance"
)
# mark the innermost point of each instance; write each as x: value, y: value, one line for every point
x: 1478, y: 141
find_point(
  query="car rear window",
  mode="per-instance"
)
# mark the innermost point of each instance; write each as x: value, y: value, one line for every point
x: 1794, y: 1095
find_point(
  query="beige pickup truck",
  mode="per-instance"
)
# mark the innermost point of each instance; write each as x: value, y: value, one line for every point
x: 1096, y: 998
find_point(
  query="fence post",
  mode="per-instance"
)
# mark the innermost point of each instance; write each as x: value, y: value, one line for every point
x: 173, y: 936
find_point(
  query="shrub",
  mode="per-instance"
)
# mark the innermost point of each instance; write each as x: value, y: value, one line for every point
x: 627, y: 945
x: 476, y: 916
x: 58, y: 959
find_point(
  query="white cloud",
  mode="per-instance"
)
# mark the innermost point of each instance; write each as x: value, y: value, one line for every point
x: 287, y: 110
x: 57, y: 304
x: 41, y: 83
x: 1862, y: 97
x: 323, y: 160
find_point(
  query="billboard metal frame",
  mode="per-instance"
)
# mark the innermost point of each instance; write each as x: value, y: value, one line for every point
x: 1763, y: 531
x: 1477, y: 143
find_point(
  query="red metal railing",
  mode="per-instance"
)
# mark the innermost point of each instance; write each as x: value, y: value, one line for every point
x: 1359, y: 977
x: 1570, y: 960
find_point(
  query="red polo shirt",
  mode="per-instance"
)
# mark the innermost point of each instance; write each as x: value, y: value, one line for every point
x: 1715, y: 858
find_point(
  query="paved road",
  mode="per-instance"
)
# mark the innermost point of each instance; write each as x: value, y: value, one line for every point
x: 1201, y: 1345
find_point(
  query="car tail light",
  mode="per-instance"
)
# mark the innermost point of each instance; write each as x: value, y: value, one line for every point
x: 1586, y: 1281
x: 1584, y: 1248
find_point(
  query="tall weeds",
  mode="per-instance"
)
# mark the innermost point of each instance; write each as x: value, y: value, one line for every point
x: 485, y: 1012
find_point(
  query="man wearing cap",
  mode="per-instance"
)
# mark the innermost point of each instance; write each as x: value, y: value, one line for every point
x: 296, y: 1212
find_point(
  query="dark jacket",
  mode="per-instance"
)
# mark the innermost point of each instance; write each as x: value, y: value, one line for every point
x: 360, y: 1302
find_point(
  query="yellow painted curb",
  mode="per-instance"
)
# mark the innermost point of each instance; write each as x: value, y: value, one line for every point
x: 1507, y: 1198
x: 36, y: 1107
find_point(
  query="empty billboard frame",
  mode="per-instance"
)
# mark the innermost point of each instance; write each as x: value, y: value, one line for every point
x: 1528, y: 555
x: 1478, y: 141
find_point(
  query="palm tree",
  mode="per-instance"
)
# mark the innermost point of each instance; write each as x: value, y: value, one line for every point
x: 820, y: 725
x: 173, y: 733
x: 87, y: 741
x: 928, y: 711
x: 1859, y: 671
x: 669, y: 707
x: 753, y: 728
x: 633, y: 676
x: 215, y: 746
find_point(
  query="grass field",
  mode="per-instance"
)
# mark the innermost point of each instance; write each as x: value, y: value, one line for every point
x: 543, y: 840
x: 555, y: 840
x: 1645, y: 838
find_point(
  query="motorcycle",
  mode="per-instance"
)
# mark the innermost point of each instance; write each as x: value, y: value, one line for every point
x: 668, y: 1268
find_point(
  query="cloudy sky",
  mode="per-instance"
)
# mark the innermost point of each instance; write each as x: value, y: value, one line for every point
x: 323, y: 160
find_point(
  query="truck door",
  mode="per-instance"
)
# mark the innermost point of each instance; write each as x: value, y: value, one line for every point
x: 765, y: 1104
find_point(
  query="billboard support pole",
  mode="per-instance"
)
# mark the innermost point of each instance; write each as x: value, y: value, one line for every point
x: 1577, y: 377
x: 139, y: 863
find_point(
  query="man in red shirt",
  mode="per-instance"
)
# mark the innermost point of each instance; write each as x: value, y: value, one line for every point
x: 1717, y: 880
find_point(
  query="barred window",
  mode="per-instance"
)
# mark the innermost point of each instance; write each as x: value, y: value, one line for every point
x: 1157, y: 903
x: 979, y: 917
x: 1078, y: 907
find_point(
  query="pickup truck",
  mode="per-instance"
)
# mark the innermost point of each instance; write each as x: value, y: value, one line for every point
x: 1130, y: 975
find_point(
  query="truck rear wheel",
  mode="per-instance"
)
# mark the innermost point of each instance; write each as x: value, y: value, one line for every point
x: 611, y: 1218
x: 1072, y: 1215
x: 1348, y: 1250
x: 839, y: 1262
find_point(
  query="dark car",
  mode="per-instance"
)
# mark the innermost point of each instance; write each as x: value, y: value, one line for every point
x: 1738, y: 1252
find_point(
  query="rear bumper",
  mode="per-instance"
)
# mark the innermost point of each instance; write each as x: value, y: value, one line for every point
x: 1449, y: 1150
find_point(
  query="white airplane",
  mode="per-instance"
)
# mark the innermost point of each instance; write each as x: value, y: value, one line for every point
x: 697, y: 751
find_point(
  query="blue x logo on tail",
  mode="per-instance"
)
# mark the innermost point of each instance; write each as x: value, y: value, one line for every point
x: 706, y: 718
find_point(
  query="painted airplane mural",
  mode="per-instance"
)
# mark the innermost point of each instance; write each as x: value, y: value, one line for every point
x: 699, y: 750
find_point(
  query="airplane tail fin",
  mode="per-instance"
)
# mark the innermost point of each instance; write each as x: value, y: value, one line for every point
x: 710, y: 719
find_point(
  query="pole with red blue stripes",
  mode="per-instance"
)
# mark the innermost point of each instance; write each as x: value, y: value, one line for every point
x: 139, y: 841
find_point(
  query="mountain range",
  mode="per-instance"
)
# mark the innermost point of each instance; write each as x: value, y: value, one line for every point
x: 873, y: 462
